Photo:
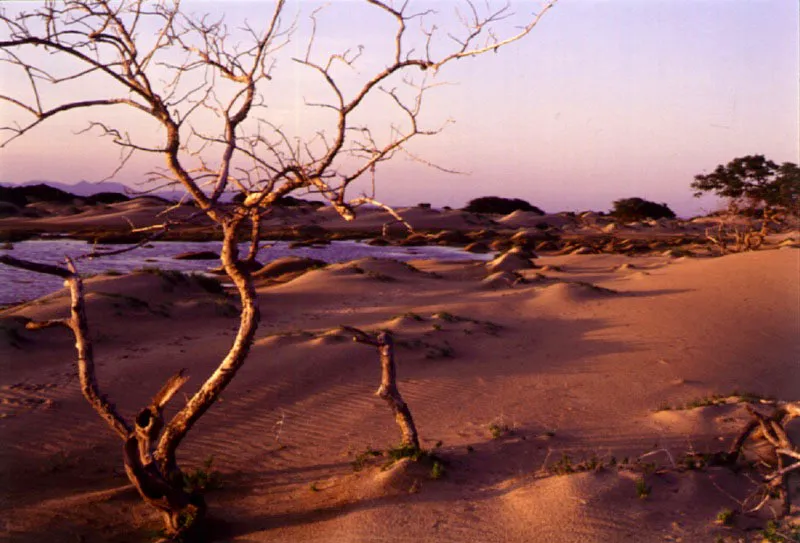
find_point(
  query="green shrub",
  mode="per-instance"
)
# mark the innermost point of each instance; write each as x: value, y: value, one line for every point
x: 638, y: 209
x: 501, y: 206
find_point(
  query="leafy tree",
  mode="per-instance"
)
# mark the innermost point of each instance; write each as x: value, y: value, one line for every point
x: 755, y: 181
x: 504, y: 206
x: 638, y: 209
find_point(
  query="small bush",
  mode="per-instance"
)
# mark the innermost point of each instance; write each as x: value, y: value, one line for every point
x: 501, y: 206
x: 638, y: 209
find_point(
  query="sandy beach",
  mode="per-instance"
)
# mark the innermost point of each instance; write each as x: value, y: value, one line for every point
x: 399, y: 271
x: 592, y: 363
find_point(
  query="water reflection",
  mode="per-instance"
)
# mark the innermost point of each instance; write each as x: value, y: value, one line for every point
x: 19, y: 285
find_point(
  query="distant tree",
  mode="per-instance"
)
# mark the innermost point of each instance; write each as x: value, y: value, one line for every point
x: 637, y: 209
x: 754, y: 181
x: 496, y: 204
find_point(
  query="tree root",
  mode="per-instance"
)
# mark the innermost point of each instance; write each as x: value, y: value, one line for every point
x: 770, y: 429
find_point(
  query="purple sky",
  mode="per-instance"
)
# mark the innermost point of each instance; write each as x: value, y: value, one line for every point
x: 605, y: 99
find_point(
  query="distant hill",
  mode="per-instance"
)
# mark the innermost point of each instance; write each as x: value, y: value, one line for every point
x: 22, y: 195
x: 84, y: 188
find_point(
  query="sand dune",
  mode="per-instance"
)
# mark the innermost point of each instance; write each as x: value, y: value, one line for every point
x: 576, y: 361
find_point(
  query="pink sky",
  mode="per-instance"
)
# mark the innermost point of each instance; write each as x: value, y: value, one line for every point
x: 604, y: 100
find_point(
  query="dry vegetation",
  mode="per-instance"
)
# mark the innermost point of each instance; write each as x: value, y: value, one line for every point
x: 532, y: 376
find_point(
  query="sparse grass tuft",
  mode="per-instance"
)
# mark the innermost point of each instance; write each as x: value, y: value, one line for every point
x: 716, y: 399
x: 643, y: 490
x: 186, y: 519
x: 409, y: 315
x: 361, y: 459
x: 499, y: 429
x: 396, y: 454
x: 698, y: 461
x: 439, y: 351
x: 382, y: 277
x: 170, y: 276
x: 566, y: 466
x: 437, y: 470
x: 211, y: 285
x: 781, y: 532
x: 405, y: 451
x: 563, y: 466
x: 202, y: 479
x: 750, y: 397
x: 725, y: 517
x: 447, y: 317
x: 491, y: 328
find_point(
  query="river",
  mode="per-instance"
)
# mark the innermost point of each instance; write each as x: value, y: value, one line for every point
x: 20, y: 285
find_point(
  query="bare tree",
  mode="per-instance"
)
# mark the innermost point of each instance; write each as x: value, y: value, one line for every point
x: 203, y: 83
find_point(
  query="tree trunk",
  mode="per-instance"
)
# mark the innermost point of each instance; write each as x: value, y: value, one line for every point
x: 255, y: 236
x: 765, y: 218
x: 390, y: 393
x: 204, y: 398
x: 388, y: 389
x: 181, y: 510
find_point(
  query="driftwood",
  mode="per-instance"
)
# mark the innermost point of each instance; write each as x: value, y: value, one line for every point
x: 746, y: 239
x: 770, y: 428
x: 388, y: 390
